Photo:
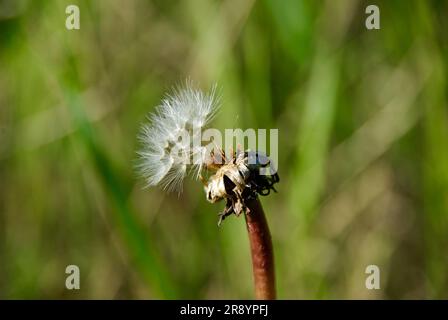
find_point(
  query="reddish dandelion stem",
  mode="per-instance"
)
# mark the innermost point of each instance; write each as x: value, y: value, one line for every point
x: 261, y: 250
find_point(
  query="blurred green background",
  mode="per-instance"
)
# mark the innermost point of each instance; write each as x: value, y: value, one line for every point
x: 363, y: 152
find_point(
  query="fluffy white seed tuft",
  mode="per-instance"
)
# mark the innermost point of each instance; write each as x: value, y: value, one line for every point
x: 171, y: 145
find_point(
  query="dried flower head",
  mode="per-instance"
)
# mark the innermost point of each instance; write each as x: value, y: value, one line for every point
x: 170, y: 147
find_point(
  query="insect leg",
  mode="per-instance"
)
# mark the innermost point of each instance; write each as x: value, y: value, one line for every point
x: 227, y: 211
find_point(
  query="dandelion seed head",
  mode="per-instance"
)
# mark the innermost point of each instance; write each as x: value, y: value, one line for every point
x: 169, y: 140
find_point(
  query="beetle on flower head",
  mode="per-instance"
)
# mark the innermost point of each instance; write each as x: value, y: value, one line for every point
x: 238, y: 179
x: 169, y: 151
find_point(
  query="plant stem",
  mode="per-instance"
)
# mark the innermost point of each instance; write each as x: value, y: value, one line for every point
x: 261, y: 250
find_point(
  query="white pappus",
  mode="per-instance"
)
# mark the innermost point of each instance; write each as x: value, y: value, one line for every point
x: 170, y: 147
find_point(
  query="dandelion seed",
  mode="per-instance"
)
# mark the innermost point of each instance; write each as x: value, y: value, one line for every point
x: 170, y: 148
